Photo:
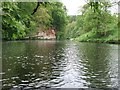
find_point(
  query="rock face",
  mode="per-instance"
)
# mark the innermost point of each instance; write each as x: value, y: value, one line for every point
x: 46, y: 34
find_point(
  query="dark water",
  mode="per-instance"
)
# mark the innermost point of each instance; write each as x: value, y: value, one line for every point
x: 59, y: 64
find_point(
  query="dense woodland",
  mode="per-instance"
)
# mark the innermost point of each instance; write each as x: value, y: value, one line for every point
x: 95, y: 24
x: 24, y: 19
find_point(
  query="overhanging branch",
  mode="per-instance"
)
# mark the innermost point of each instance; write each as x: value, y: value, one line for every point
x: 38, y: 4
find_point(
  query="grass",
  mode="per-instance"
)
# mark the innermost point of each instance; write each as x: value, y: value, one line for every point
x: 93, y: 37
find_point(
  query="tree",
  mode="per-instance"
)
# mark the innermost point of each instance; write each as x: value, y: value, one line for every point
x: 95, y: 23
x: 38, y: 4
x: 22, y: 19
x: 59, y: 15
x: 16, y: 19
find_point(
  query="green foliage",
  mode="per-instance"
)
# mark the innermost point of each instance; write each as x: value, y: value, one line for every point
x: 95, y: 24
x: 59, y: 18
x: 42, y: 18
x: 52, y: 16
x: 18, y: 21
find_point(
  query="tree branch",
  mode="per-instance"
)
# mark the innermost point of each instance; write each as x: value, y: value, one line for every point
x: 38, y: 4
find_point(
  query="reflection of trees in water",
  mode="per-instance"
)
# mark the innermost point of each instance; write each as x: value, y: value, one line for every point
x: 29, y: 61
x: 119, y: 67
x: 95, y: 61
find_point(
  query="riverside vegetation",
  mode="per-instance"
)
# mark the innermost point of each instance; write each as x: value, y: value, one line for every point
x: 24, y: 19
x: 95, y: 24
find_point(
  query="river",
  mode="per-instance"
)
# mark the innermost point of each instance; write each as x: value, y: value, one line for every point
x: 59, y: 64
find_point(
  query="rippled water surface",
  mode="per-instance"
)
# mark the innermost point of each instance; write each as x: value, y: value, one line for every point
x: 59, y: 64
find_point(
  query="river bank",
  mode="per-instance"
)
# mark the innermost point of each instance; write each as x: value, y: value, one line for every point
x: 101, y: 41
x: 29, y: 38
x: 90, y: 37
x: 89, y: 40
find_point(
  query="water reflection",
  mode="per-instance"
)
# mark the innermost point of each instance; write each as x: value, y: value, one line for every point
x: 0, y: 65
x: 95, y: 65
x: 35, y: 64
x: 72, y: 72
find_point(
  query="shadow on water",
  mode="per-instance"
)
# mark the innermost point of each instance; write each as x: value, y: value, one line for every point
x: 30, y: 62
x: 98, y: 63
x: 59, y: 64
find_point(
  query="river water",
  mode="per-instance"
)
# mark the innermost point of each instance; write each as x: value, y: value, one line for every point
x: 59, y: 64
